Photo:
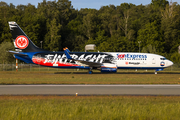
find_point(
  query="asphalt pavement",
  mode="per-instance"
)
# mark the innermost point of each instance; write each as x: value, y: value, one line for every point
x: 87, y: 90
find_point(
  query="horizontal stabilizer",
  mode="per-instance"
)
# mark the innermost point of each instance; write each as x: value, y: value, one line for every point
x: 17, y: 53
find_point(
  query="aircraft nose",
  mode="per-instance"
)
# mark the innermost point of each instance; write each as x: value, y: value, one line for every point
x: 170, y: 63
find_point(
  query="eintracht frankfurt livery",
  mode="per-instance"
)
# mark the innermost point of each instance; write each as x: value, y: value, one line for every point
x: 103, y: 61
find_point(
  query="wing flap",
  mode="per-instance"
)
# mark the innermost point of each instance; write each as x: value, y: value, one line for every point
x: 91, y: 64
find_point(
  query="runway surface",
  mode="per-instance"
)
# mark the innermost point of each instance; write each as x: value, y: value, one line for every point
x: 90, y: 90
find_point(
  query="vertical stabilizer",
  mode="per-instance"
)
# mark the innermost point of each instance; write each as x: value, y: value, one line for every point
x: 22, y: 42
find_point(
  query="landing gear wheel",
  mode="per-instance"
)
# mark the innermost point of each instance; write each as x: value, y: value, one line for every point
x: 90, y: 72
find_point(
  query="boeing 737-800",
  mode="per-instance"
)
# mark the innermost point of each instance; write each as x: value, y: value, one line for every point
x: 26, y: 51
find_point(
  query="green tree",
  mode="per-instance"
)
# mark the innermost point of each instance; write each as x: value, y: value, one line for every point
x: 171, y: 27
x: 90, y: 24
x: 6, y: 12
x: 149, y: 49
x: 159, y: 3
x: 53, y: 39
x: 5, y: 56
x: 151, y: 35
x: 175, y: 57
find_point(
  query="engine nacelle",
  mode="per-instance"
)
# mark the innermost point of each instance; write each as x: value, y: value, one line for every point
x: 109, y: 68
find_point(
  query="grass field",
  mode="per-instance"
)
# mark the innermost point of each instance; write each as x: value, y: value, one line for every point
x: 88, y: 107
x: 92, y: 107
x: 51, y: 77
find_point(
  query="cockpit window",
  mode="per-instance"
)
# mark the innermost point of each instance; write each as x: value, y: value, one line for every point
x: 162, y: 58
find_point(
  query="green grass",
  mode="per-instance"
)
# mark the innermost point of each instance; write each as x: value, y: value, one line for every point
x: 48, y: 77
x: 93, y: 108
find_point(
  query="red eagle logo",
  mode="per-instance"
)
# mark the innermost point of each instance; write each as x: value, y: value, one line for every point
x: 21, y: 42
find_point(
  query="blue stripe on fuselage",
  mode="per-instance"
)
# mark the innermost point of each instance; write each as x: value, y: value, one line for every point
x: 152, y: 68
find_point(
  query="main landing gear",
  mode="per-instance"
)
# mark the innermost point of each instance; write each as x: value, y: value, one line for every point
x: 90, y: 70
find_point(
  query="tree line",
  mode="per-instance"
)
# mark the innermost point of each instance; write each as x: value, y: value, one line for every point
x: 152, y: 28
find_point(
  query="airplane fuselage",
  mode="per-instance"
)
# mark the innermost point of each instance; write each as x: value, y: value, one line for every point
x: 122, y: 60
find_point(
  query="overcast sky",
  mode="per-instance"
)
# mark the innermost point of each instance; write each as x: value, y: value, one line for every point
x: 78, y: 4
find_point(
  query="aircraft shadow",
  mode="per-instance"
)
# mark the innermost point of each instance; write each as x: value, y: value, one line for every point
x: 117, y: 73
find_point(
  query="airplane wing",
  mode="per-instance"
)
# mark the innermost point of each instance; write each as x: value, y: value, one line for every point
x: 91, y: 64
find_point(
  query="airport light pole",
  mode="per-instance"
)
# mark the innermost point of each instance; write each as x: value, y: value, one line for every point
x: 41, y: 44
x: 139, y: 45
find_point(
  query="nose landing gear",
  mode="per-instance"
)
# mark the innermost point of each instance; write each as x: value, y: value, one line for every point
x: 158, y: 70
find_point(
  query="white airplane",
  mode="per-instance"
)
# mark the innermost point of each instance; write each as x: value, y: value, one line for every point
x: 104, y: 61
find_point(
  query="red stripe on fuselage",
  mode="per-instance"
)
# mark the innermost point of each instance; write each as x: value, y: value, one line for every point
x: 41, y: 61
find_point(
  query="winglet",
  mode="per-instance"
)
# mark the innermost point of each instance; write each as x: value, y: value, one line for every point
x: 66, y: 51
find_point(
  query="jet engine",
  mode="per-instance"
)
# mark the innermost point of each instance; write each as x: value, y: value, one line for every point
x: 109, y: 68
